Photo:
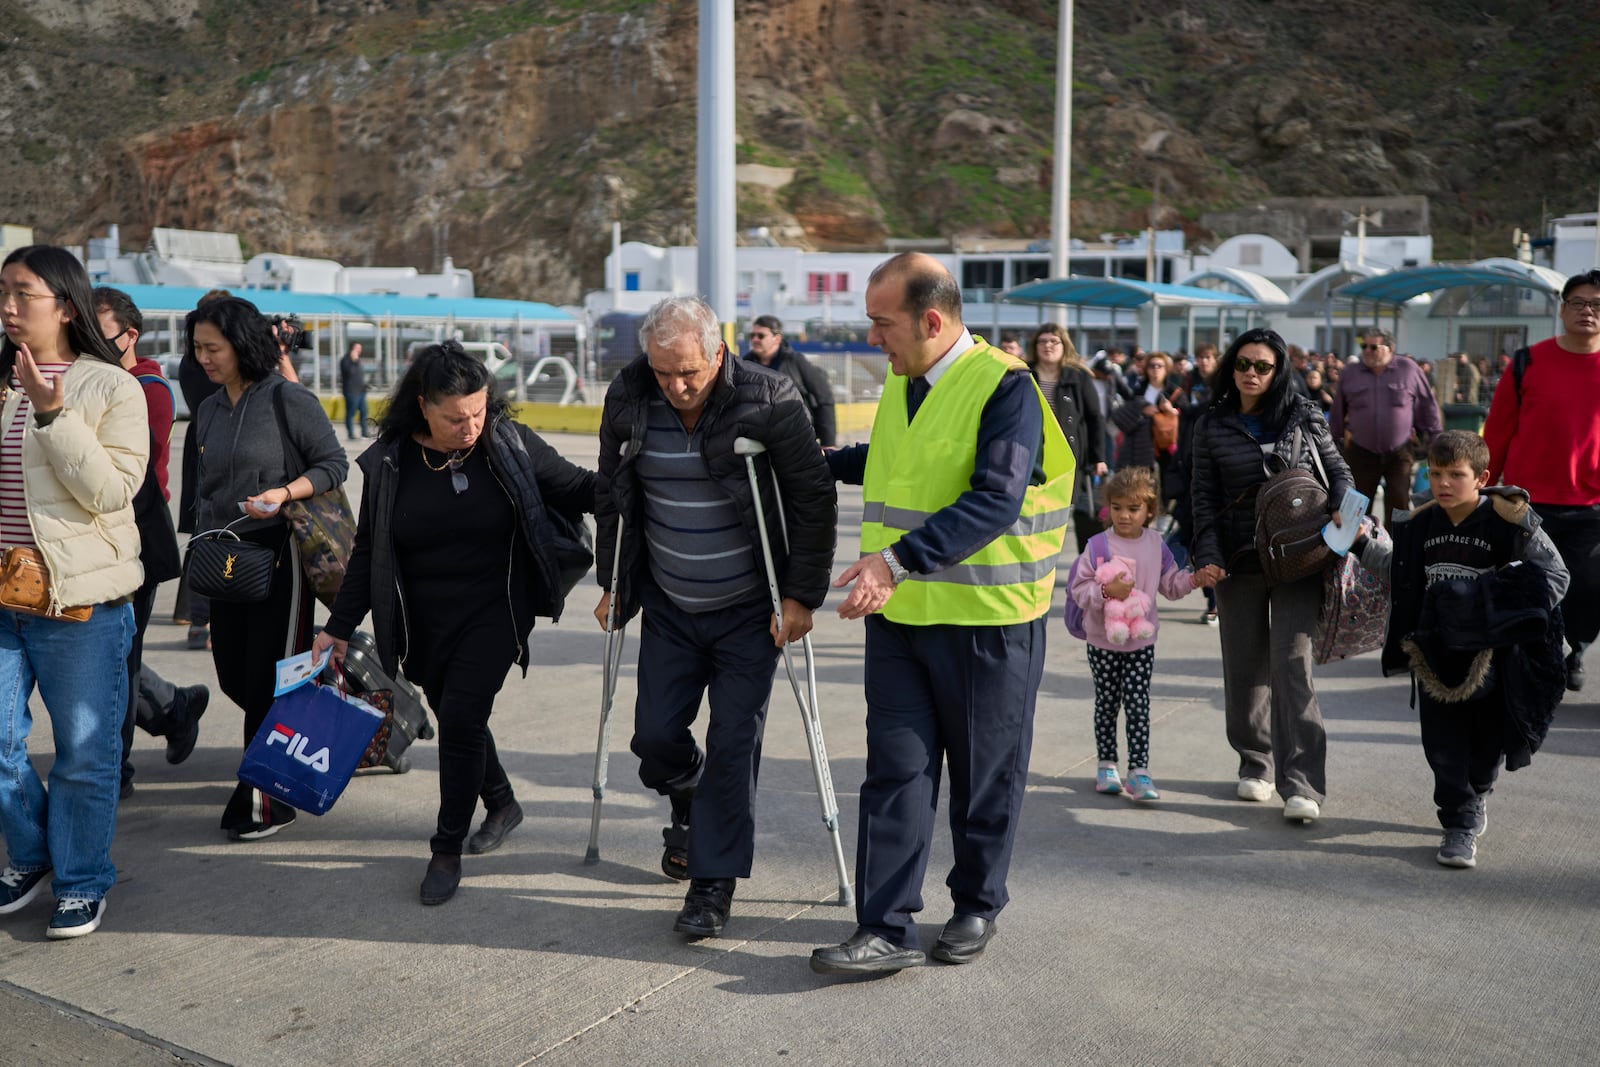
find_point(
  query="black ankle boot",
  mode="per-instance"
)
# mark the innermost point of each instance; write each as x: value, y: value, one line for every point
x: 706, y: 907
x: 444, y: 875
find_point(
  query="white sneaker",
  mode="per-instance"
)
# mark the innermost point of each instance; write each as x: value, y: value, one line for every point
x: 1255, y: 789
x: 1303, y: 808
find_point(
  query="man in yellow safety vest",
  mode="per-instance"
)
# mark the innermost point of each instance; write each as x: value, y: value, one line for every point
x: 967, y: 485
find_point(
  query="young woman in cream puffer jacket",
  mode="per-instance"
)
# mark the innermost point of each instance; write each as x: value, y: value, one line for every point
x: 80, y: 473
x: 84, y: 437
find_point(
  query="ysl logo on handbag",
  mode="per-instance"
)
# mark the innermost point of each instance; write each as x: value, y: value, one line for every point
x: 227, y: 566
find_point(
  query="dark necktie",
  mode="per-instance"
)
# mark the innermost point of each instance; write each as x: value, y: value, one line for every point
x: 916, y: 392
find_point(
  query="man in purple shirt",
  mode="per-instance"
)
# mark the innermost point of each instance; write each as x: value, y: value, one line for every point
x: 1382, y: 408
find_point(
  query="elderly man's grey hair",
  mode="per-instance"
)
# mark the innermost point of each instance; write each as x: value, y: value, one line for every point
x: 669, y: 321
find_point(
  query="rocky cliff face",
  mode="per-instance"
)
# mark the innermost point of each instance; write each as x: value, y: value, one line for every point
x: 511, y: 134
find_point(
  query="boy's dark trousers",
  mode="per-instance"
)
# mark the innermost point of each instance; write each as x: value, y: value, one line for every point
x: 1464, y: 745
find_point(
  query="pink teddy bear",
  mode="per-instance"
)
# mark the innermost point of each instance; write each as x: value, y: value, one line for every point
x: 1124, y: 618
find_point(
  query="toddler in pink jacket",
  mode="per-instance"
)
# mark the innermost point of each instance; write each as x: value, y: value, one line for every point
x: 1122, y: 669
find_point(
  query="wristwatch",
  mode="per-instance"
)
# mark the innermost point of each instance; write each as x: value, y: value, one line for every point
x: 897, y: 573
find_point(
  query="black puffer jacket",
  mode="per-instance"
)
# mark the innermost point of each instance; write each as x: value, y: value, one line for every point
x: 533, y: 475
x: 1228, y: 467
x: 748, y: 400
x: 812, y: 381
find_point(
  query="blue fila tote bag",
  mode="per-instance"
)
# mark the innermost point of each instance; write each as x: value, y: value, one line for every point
x: 309, y: 745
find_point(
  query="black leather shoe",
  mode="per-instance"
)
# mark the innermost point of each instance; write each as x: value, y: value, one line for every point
x: 444, y: 875
x: 181, y: 744
x: 1574, y: 672
x: 496, y: 825
x: 705, y: 909
x: 865, y: 953
x: 963, y: 939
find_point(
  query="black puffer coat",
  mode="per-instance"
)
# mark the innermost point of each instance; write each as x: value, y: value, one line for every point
x: 812, y: 381
x: 1228, y: 468
x: 748, y: 400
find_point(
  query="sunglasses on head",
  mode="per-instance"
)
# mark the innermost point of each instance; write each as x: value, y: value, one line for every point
x: 1260, y: 366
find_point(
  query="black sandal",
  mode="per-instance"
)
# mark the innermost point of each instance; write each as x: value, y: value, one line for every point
x: 675, y: 855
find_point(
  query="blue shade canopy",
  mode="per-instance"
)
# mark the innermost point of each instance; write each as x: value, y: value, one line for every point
x: 1398, y: 286
x: 154, y: 299
x: 1118, y: 293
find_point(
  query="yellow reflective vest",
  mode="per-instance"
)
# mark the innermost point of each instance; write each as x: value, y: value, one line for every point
x: 914, y: 471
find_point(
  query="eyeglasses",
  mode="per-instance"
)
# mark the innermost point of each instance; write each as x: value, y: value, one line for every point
x: 458, y: 479
x: 22, y: 296
x: 1049, y: 340
x: 1572, y: 305
x: 1262, y: 367
x: 760, y: 336
x: 1373, y: 347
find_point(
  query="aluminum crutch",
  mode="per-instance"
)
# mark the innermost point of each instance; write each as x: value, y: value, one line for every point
x: 807, y: 700
x: 611, y: 666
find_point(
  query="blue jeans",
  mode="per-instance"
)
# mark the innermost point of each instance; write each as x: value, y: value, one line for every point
x: 82, y: 673
x: 355, y: 415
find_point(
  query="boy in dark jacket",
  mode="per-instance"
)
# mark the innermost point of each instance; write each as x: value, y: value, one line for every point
x: 1475, y: 586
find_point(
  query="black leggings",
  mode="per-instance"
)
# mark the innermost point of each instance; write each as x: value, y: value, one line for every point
x: 461, y: 693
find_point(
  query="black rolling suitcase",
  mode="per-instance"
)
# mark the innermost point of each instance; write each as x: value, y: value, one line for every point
x: 405, y: 719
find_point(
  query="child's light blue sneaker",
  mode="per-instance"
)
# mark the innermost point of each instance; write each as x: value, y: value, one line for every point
x: 1107, y: 781
x: 1140, y: 787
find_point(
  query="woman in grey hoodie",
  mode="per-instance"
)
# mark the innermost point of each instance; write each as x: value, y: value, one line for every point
x: 263, y: 442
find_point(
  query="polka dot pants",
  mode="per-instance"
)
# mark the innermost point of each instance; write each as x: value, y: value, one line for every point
x: 1122, y: 682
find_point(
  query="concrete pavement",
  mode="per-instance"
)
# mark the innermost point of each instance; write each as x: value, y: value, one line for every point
x: 1197, y: 930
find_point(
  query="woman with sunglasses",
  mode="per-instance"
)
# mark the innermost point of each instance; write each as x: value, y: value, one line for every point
x: 76, y: 440
x: 262, y: 442
x: 454, y: 556
x: 1270, y: 707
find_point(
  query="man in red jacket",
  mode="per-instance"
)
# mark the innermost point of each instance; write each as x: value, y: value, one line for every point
x: 1543, y: 432
x: 154, y: 703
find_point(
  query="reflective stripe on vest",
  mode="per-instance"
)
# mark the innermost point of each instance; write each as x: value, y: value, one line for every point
x: 914, y: 471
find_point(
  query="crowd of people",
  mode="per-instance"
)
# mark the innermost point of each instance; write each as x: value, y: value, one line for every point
x: 715, y: 497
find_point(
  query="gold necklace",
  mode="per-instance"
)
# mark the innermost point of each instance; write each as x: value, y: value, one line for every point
x: 452, y: 459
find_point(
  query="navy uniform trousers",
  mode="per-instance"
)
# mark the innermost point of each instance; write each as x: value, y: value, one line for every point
x: 728, y: 656
x: 958, y: 694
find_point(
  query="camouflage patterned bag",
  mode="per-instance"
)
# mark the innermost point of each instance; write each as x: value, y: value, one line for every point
x: 324, y: 530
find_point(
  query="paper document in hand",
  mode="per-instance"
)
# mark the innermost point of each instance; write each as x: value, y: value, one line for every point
x: 1351, y: 509
x: 297, y: 671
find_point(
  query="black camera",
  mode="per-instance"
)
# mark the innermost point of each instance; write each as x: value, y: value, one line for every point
x: 291, y: 333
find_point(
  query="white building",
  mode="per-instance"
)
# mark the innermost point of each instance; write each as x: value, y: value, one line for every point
x: 1575, y: 244
x: 199, y: 258
x: 821, y: 292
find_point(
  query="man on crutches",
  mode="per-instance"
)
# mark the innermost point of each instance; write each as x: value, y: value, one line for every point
x: 966, y: 485
x: 690, y: 558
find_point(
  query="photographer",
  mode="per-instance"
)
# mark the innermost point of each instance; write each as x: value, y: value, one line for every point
x: 291, y: 337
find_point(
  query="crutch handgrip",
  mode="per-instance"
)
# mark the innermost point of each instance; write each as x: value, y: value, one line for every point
x: 747, y: 446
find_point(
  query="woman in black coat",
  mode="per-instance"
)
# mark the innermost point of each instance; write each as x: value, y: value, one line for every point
x: 1271, y: 709
x: 455, y: 554
x: 1065, y: 380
